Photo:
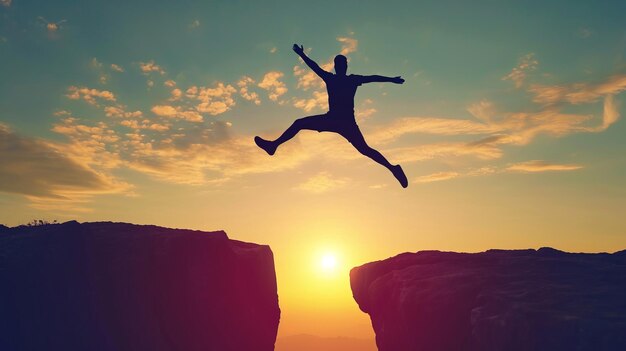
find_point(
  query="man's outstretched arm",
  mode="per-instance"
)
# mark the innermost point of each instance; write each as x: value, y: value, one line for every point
x: 382, y: 79
x: 312, y: 64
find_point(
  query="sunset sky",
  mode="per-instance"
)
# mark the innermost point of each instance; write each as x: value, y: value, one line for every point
x: 508, y: 128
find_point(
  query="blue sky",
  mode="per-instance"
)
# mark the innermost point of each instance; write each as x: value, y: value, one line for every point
x: 508, y: 126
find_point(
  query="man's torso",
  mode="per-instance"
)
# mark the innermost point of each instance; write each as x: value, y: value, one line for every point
x: 341, y: 91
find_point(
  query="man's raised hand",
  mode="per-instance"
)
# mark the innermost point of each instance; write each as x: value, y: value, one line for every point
x: 397, y: 80
x: 298, y: 49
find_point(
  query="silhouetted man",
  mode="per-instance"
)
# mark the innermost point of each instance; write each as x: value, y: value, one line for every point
x: 340, y: 116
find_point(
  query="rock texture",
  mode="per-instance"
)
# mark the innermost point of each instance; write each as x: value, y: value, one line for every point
x: 496, y: 300
x: 116, y: 286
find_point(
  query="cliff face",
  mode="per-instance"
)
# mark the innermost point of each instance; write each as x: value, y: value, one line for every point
x: 495, y: 300
x: 116, y: 286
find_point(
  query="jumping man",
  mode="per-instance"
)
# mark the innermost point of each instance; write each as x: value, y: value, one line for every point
x: 340, y: 116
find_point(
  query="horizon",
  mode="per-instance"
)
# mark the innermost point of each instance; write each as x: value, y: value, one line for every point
x: 509, y: 127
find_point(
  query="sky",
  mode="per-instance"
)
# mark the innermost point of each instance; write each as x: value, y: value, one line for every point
x: 508, y: 127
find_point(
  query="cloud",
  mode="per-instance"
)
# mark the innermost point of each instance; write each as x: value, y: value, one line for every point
x: 365, y: 110
x: 245, y: 92
x: 348, y: 45
x: 99, y: 67
x: 535, y: 166
x: 89, y: 95
x: 611, y: 113
x: 205, y: 156
x: 307, y: 78
x: 177, y: 94
x: 498, y: 128
x: 45, y: 172
x: 177, y: 112
x: 51, y: 27
x: 150, y: 66
x: 213, y: 101
x: 577, y: 93
x: 5, y: 3
x: 170, y: 83
x: 436, y: 177
x: 526, y: 64
x: 273, y: 50
x: 541, y: 166
x: 95, y: 63
x: 430, y: 125
x: 165, y: 110
x: 426, y: 152
x: 318, y: 101
x: 104, y: 70
x: 271, y: 82
x: 120, y: 112
x: 144, y: 124
x: 321, y: 183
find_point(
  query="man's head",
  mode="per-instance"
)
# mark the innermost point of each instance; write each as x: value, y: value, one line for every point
x: 341, y: 65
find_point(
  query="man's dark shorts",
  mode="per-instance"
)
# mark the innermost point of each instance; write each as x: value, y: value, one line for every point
x: 344, y: 124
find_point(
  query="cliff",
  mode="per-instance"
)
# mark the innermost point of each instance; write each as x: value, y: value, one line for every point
x: 117, y: 286
x: 496, y: 300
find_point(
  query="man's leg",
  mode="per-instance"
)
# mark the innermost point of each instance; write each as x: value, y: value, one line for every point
x: 316, y: 122
x: 355, y: 137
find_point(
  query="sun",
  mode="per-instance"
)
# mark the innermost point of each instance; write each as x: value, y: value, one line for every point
x: 328, y: 262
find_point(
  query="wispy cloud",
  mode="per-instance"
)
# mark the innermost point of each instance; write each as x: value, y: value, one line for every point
x: 430, y: 125
x: 498, y: 128
x: 426, y: 152
x: 526, y: 64
x: 104, y: 70
x: 46, y: 173
x: 577, y: 93
x: 318, y: 101
x: 535, y: 166
x: 321, y: 183
x: 348, y: 45
x: 5, y: 3
x: 117, y: 68
x: 436, y: 177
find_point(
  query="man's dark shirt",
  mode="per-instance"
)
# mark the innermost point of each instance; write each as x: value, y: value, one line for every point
x: 341, y: 91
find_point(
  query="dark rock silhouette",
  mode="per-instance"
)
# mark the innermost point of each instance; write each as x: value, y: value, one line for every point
x: 496, y: 300
x: 117, y: 286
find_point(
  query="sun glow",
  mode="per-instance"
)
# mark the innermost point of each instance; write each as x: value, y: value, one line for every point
x: 328, y: 262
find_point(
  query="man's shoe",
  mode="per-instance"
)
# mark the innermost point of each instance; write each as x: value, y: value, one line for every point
x: 400, y: 176
x: 266, y: 145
